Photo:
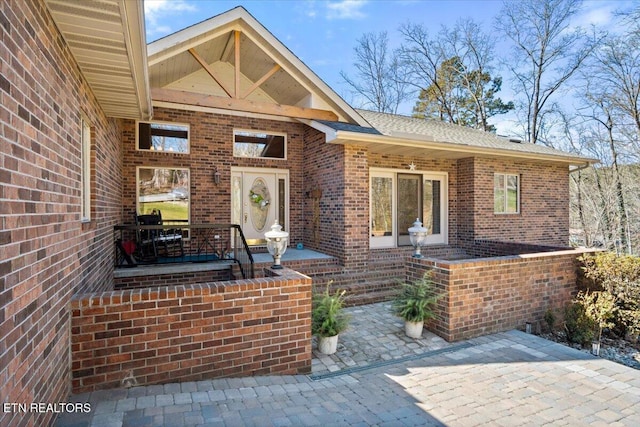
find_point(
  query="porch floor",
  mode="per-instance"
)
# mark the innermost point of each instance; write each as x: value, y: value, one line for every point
x: 375, y: 337
x: 292, y: 254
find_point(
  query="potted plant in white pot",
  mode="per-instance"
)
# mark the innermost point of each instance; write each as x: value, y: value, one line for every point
x: 328, y: 319
x: 414, y: 303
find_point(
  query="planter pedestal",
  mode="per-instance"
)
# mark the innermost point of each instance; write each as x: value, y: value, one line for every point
x: 328, y: 345
x: 413, y: 329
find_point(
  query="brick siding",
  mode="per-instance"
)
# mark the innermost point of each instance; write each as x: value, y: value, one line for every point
x: 324, y: 173
x: 544, y: 197
x: 46, y: 252
x: 170, y: 279
x: 192, y: 332
x: 491, y: 295
x: 211, y: 145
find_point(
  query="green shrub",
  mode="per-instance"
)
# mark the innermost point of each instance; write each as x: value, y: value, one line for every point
x: 415, y: 300
x: 620, y: 276
x: 550, y: 319
x: 577, y: 325
x: 327, y: 317
x: 599, y: 307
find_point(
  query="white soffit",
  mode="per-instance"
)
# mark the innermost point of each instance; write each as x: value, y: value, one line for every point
x: 107, y: 40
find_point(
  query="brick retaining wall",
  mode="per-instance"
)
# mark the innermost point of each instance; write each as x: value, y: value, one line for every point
x: 487, y: 295
x: 192, y: 332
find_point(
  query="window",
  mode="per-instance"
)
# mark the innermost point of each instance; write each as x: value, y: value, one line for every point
x: 165, y: 190
x: 259, y: 145
x: 157, y: 136
x: 506, y: 193
x: 397, y: 199
x: 86, y: 171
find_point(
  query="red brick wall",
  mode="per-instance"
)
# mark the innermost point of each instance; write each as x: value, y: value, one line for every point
x: 324, y: 171
x: 492, y: 295
x: 211, y: 145
x: 171, y: 279
x: 46, y: 253
x: 193, y: 332
x: 544, y: 198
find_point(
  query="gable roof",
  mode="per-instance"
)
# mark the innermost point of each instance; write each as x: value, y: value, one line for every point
x: 232, y: 62
x: 396, y: 134
x: 107, y: 40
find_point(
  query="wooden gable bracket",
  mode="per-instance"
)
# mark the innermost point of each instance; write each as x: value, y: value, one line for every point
x: 236, y: 100
x: 236, y: 89
x: 209, y: 70
x: 211, y: 101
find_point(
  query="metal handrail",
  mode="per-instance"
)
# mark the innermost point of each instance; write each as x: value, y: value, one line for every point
x: 176, y: 242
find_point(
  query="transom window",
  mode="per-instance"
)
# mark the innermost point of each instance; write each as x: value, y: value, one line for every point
x: 259, y: 144
x: 398, y: 198
x: 163, y: 136
x: 506, y: 193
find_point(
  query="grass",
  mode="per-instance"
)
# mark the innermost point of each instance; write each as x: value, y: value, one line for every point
x: 169, y: 210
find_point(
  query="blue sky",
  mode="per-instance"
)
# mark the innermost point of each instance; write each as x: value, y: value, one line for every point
x: 324, y: 33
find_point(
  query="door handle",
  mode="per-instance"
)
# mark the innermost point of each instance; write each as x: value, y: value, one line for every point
x: 245, y: 217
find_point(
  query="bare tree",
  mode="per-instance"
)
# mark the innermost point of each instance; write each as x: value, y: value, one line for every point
x: 612, y: 103
x: 547, y: 52
x: 378, y: 78
x: 452, y: 71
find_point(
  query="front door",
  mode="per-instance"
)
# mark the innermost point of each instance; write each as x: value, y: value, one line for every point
x: 259, y: 197
x: 397, y: 198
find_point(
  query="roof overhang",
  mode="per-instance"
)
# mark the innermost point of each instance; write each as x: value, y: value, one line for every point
x: 403, y: 144
x: 232, y: 62
x: 107, y: 40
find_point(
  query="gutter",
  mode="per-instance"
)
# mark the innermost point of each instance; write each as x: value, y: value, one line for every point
x: 583, y: 167
x: 340, y: 137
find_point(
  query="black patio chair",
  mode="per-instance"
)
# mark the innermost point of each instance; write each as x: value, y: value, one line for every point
x: 159, y: 242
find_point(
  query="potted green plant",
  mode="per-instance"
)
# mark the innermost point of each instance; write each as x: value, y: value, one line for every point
x: 414, y: 303
x: 328, y: 319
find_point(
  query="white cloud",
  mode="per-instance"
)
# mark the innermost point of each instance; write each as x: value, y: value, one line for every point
x: 345, y: 9
x: 156, y: 10
x: 601, y: 15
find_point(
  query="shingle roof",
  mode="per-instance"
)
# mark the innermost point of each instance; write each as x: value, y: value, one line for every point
x: 405, y: 127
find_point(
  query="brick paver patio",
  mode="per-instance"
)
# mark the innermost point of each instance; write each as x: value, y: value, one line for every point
x: 506, y: 379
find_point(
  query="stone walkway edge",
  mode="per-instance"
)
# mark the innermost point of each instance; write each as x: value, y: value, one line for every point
x: 348, y: 371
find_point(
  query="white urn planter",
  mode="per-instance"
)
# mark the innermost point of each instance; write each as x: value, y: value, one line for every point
x: 413, y: 329
x: 328, y: 345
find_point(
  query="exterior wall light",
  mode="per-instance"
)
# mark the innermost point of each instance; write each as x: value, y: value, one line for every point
x: 418, y: 237
x: 216, y: 175
x: 276, y: 243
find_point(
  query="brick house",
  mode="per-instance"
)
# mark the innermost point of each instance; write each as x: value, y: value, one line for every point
x: 89, y: 114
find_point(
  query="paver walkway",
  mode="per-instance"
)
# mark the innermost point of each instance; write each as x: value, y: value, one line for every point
x: 506, y: 379
x: 375, y: 336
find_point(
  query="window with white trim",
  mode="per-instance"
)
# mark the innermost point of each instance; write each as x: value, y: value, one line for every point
x: 163, y: 137
x: 506, y: 193
x: 86, y: 171
x: 397, y: 198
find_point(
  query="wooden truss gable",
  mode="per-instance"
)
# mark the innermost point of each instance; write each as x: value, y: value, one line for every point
x: 232, y: 71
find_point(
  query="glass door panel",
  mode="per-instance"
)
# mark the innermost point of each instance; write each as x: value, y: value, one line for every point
x: 409, y: 206
x: 382, y: 220
x: 431, y: 205
x: 381, y: 206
